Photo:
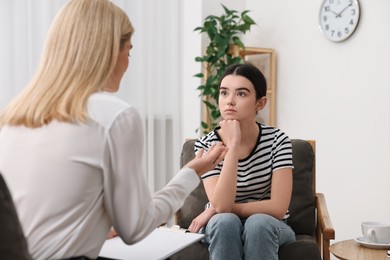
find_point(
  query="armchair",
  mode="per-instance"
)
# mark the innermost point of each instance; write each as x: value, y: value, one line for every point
x: 309, y: 216
x: 13, y: 244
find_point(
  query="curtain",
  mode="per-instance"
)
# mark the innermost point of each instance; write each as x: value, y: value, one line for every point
x: 151, y: 83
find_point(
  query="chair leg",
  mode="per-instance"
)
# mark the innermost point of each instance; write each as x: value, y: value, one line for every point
x: 325, y: 249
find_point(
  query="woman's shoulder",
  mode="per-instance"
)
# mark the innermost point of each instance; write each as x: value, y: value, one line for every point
x: 107, y: 99
x: 104, y: 108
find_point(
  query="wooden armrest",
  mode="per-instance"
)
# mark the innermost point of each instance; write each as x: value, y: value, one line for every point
x: 323, y: 217
x: 324, y: 230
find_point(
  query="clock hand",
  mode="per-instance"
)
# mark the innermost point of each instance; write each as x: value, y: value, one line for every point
x: 334, y: 12
x: 349, y: 4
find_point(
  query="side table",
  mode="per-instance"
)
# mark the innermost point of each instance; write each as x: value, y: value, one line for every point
x: 352, y: 250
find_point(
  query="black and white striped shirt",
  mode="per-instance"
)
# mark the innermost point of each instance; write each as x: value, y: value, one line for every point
x: 272, y: 152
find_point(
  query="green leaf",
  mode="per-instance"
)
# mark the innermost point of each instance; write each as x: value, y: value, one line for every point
x: 248, y: 20
x: 238, y: 42
x: 215, y: 114
x: 244, y: 12
x: 209, y: 105
x: 211, y: 17
x: 225, y: 8
x: 201, y: 87
x: 199, y: 29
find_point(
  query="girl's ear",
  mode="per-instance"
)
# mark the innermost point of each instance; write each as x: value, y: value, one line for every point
x: 260, y: 103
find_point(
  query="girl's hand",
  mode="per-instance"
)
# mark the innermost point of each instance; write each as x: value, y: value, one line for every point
x: 230, y: 132
x: 201, y: 220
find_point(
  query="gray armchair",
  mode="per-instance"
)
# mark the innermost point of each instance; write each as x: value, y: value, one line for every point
x: 13, y: 244
x: 309, y: 216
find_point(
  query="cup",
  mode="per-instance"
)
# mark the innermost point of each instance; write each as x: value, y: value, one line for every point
x: 376, y: 232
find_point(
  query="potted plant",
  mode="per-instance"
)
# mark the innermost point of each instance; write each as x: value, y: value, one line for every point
x: 224, y: 35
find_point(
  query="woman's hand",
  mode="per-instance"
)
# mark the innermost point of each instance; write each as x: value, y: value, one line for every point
x: 111, y: 234
x: 202, y: 164
x: 201, y: 220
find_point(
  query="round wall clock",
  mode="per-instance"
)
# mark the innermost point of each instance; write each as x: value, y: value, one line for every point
x: 339, y: 18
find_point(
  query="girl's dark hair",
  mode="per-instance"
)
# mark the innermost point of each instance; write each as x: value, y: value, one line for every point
x: 250, y: 72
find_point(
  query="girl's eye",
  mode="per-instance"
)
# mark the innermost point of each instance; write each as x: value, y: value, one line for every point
x: 222, y: 93
x: 241, y: 94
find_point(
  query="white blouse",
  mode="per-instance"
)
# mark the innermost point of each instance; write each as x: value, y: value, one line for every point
x: 72, y: 182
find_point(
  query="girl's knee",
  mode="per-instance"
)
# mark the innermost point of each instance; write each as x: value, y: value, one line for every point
x: 225, y: 222
x: 260, y: 222
x: 225, y: 219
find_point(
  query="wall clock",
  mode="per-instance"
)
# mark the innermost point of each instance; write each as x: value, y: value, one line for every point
x: 339, y: 19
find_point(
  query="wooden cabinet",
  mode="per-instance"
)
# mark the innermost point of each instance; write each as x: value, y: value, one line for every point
x: 264, y: 59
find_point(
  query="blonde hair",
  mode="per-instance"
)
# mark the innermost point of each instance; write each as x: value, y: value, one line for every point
x: 79, y: 56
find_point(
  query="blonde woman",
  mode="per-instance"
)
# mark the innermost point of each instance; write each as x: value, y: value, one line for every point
x: 71, y: 153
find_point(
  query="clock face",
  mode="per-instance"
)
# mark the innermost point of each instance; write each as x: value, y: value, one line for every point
x: 339, y: 18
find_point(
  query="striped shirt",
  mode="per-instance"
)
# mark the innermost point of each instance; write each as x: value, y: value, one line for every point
x: 272, y: 152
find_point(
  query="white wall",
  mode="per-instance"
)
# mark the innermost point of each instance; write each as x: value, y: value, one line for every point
x: 335, y: 93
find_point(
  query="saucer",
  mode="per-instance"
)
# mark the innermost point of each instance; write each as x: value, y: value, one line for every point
x: 365, y: 243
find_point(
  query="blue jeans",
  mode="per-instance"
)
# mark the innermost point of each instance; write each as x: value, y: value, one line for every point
x: 257, y: 237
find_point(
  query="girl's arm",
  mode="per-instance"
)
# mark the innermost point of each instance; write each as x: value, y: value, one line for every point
x: 279, y: 202
x: 221, y: 190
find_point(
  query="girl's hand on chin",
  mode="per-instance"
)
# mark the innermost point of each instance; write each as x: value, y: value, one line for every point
x: 230, y: 132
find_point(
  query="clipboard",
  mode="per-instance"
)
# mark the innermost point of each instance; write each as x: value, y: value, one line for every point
x: 160, y: 244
